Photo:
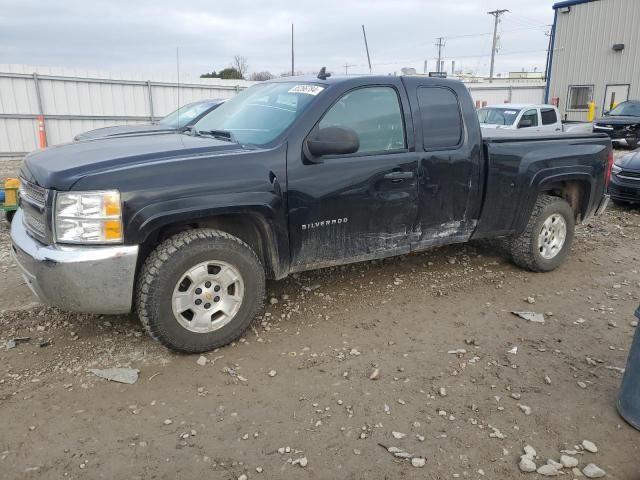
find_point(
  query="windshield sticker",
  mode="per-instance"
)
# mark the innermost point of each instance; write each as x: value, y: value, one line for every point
x: 510, y: 112
x: 306, y: 89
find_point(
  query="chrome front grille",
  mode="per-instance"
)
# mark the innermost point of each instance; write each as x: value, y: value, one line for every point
x: 34, y: 222
x: 33, y: 193
x: 629, y: 175
x: 33, y: 201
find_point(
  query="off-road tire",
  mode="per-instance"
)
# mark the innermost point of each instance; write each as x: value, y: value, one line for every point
x: 167, y: 263
x: 9, y: 215
x: 524, y: 248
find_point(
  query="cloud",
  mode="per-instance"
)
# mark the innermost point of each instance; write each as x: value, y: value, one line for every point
x: 132, y: 35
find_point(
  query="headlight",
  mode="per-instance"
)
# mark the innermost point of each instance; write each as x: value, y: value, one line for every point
x: 615, y: 169
x: 88, y: 217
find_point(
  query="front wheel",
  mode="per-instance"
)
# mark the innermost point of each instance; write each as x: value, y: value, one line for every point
x: 199, y: 290
x: 546, y: 241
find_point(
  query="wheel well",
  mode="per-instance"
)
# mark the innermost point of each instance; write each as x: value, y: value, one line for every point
x: 248, y: 228
x: 575, y: 192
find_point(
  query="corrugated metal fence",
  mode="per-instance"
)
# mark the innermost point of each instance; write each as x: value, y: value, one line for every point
x: 73, y: 102
x: 494, y: 94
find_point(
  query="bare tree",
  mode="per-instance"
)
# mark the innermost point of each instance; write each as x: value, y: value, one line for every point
x: 261, y: 76
x: 240, y: 64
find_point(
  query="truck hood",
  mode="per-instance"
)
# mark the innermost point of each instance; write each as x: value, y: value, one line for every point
x: 617, y: 120
x: 61, y: 166
x: 123, y: 130
x: 630, y: 161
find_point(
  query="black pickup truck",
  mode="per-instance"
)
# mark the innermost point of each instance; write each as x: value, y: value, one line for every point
x: 289, y: 175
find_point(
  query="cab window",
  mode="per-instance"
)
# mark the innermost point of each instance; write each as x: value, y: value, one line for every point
x: 529, y: 119
x: 441, y: 118
x: 549, y: 116
x: 374, y: 113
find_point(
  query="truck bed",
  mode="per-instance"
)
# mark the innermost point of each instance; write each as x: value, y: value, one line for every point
x: 517, y: 168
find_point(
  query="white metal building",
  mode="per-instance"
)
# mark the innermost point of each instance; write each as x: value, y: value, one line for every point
x: 595, y: 55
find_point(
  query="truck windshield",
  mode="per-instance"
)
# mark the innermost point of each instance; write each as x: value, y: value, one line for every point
x: 182, y: 116
x: 497, y: 116
x: 260, y: 113
x: 626, y: 109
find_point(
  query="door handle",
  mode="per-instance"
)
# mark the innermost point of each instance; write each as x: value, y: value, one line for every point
x: 399, y: 176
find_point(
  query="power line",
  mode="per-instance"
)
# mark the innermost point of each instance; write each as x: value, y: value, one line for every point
x: 496, y: 16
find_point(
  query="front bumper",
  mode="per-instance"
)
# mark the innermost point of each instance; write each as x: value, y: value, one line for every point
x: 91, y: 279
x: 626, y: 190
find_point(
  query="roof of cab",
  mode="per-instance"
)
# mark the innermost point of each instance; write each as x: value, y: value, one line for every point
x: 334, y: 79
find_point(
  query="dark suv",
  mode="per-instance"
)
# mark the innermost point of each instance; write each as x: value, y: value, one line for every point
x: 622, y: 124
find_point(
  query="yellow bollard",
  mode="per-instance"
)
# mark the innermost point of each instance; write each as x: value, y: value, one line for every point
x: 591, y: 113
x: 11, y: 186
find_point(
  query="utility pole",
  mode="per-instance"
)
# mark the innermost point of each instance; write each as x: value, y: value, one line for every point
x: 496, y: 19
x: 425, y: 67
x: 346, y: 68
x: 366, y: 46
x: 439, y: 44
x: 292, y: 56
x: 546, y: 65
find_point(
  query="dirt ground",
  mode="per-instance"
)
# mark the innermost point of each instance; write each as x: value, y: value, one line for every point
x: 329, y: 331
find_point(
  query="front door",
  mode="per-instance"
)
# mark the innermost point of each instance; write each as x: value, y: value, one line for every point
x: 615, y: 94
x: 357, y: 206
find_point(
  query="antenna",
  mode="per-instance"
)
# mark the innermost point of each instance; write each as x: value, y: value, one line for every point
x: 366, y: 46
x: 292, y: 56
x: 178, y: 78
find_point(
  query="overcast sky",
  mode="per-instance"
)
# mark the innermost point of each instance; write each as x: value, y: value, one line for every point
x: 133, y: 35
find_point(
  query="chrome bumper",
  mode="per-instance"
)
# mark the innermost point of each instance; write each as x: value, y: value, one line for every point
x: 76, y: 278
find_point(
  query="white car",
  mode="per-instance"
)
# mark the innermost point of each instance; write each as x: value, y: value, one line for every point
x: 537, y: 119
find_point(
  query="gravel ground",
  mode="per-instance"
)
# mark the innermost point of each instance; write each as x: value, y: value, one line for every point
x: 419, y: 352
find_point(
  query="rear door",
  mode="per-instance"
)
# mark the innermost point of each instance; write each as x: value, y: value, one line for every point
x: 362, y: 205
x: 449, y: 153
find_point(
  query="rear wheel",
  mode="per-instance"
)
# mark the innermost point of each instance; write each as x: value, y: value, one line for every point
x: 546, y: 241
x: 9, y: 215
x: 199, y: 290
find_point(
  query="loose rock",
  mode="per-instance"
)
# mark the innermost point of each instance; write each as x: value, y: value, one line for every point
x: 527, y: 464
x: 568, y: 462
x: 548, y: 470
x: 589, y: 446
x: 121, y: 375
x: 375, y: 375
x: 593, y: 471
x: 202, y: 360
x: 418, y: 462
x: 530, y: 316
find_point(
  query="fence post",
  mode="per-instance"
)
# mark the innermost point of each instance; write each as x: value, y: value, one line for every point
x: 150, y: 96
x: 42, y: 129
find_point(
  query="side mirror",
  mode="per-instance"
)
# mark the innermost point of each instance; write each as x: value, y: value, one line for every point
x: 605, y: 113
x: 333, y: 141
x: 525, y: 123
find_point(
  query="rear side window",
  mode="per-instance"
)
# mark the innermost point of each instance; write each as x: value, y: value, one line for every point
x: 549, y: 116
x: 441, y: 119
